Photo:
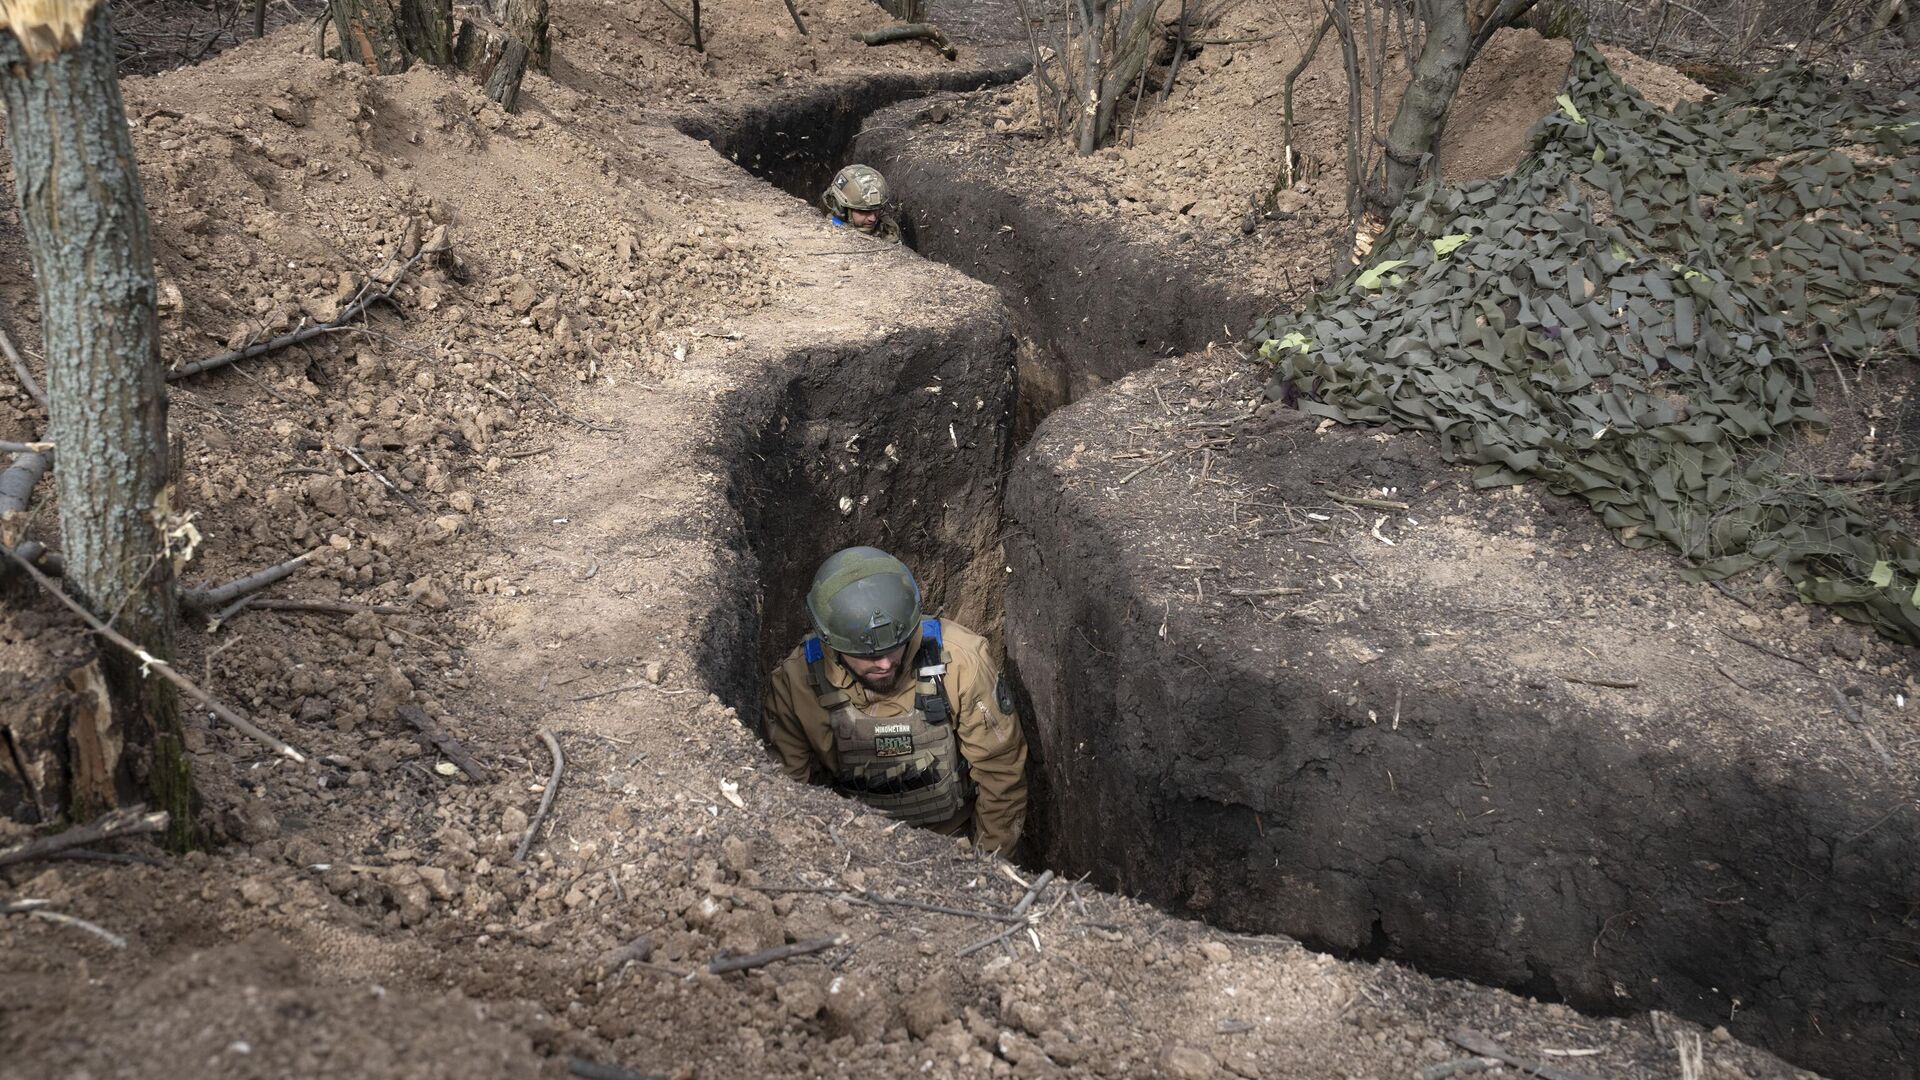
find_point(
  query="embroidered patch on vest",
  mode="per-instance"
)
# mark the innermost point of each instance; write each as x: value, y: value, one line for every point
x: 892, y: 740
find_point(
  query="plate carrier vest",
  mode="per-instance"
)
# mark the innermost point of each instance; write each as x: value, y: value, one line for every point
x: 907, y: 767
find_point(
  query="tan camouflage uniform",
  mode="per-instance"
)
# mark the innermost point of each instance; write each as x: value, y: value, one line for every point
x: 983, y: 721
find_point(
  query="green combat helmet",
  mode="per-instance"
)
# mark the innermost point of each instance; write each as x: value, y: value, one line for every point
x: 856, y: 187
x: 864, y: 602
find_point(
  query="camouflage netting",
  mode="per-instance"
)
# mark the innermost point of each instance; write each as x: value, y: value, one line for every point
x: 1632, y: 316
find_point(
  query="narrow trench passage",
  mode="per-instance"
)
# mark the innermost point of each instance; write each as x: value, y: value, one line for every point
x: 945, y: 496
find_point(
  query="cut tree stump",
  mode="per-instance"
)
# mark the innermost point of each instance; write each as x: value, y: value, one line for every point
x: 60, y: 746
x: 495, y: 58
x: 526, y: 20
x: 387, y: 36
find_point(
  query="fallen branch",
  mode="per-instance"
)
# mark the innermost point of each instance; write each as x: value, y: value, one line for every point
x: 7, y: 447
x: 546, y: 799
x: 919, y: 31
x: 343, y: 321
x: 129, y: 822
x: 1594, y: 680
x: 453, y: 751
x: 640, y: 948
x: 20, y: 371
x: 212, y: 598
x: 1479, y: 1044
x: 802, y: 27
x: 1377, y: 504
x: 154, y: 663
x: 1019, y: 916
x: 720, y: 965
x: 95, y: 929
x: 17, y: 483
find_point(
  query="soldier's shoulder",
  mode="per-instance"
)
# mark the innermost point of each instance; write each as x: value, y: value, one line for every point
x: 794, y: 664
x: 964, y: 644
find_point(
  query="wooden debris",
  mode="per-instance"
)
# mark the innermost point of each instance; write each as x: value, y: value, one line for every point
x: 129, y: 822
x: 443, y: 742
x: 368, y: 296
x: 920, y: 31
x: 1019, y: 916
x: 720, y: 965
x: 546, y: 798
x: 213, y: 598
x: 154, y: 663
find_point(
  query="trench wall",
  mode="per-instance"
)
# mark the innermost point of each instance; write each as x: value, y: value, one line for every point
x: 1093, y: 304
x: 1481, y: 834
x: 901, y: 443
x: 796, y: 142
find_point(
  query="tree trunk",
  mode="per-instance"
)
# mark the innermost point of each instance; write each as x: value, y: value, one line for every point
x: 387, y: 36
x: 1454, y: 35
x: 526, y: 20
x: 496, y: 59
x: 86, y: 227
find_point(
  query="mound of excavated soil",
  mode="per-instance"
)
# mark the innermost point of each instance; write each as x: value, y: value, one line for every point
x: 618, y: 424
x: 1301, y: 678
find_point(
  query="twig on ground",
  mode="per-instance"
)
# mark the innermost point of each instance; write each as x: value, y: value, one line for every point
x: 132, y: 821
x: 546, y: 798
x: 1839, y: 699
x: 640, y: 948
x: 18, y: 481
x: 593, y: 1070
x: 1018, y: 916
x: 1278, y: 590
x: 411, y: 502
x: 1161, y: 460
x: 1483, y: 1046
x: 1377, y: 504
x: 20, y: 371
x: 794, y: 12
x: 343, y: 321
x: 720, y: 965
x: 154, y: 663
x: 1853, y: 716
x: 95, y: 929
x: 1591, y: 680
x: 454, y: 752
x: 920, y: 31
x: 629, y: 686
x: 214, y: 597
x: 9, y: 447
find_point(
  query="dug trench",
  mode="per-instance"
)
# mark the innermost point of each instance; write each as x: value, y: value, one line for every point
x: 1490, y: 744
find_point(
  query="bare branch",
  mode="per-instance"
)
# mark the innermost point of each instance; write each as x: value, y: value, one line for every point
x: 132, y: 821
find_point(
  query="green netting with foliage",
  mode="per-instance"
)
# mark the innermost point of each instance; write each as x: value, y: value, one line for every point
x: 1631, y: 316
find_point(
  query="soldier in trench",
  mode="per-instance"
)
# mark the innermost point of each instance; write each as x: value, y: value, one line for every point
x: 906, y: 714
x: 858, y: 198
